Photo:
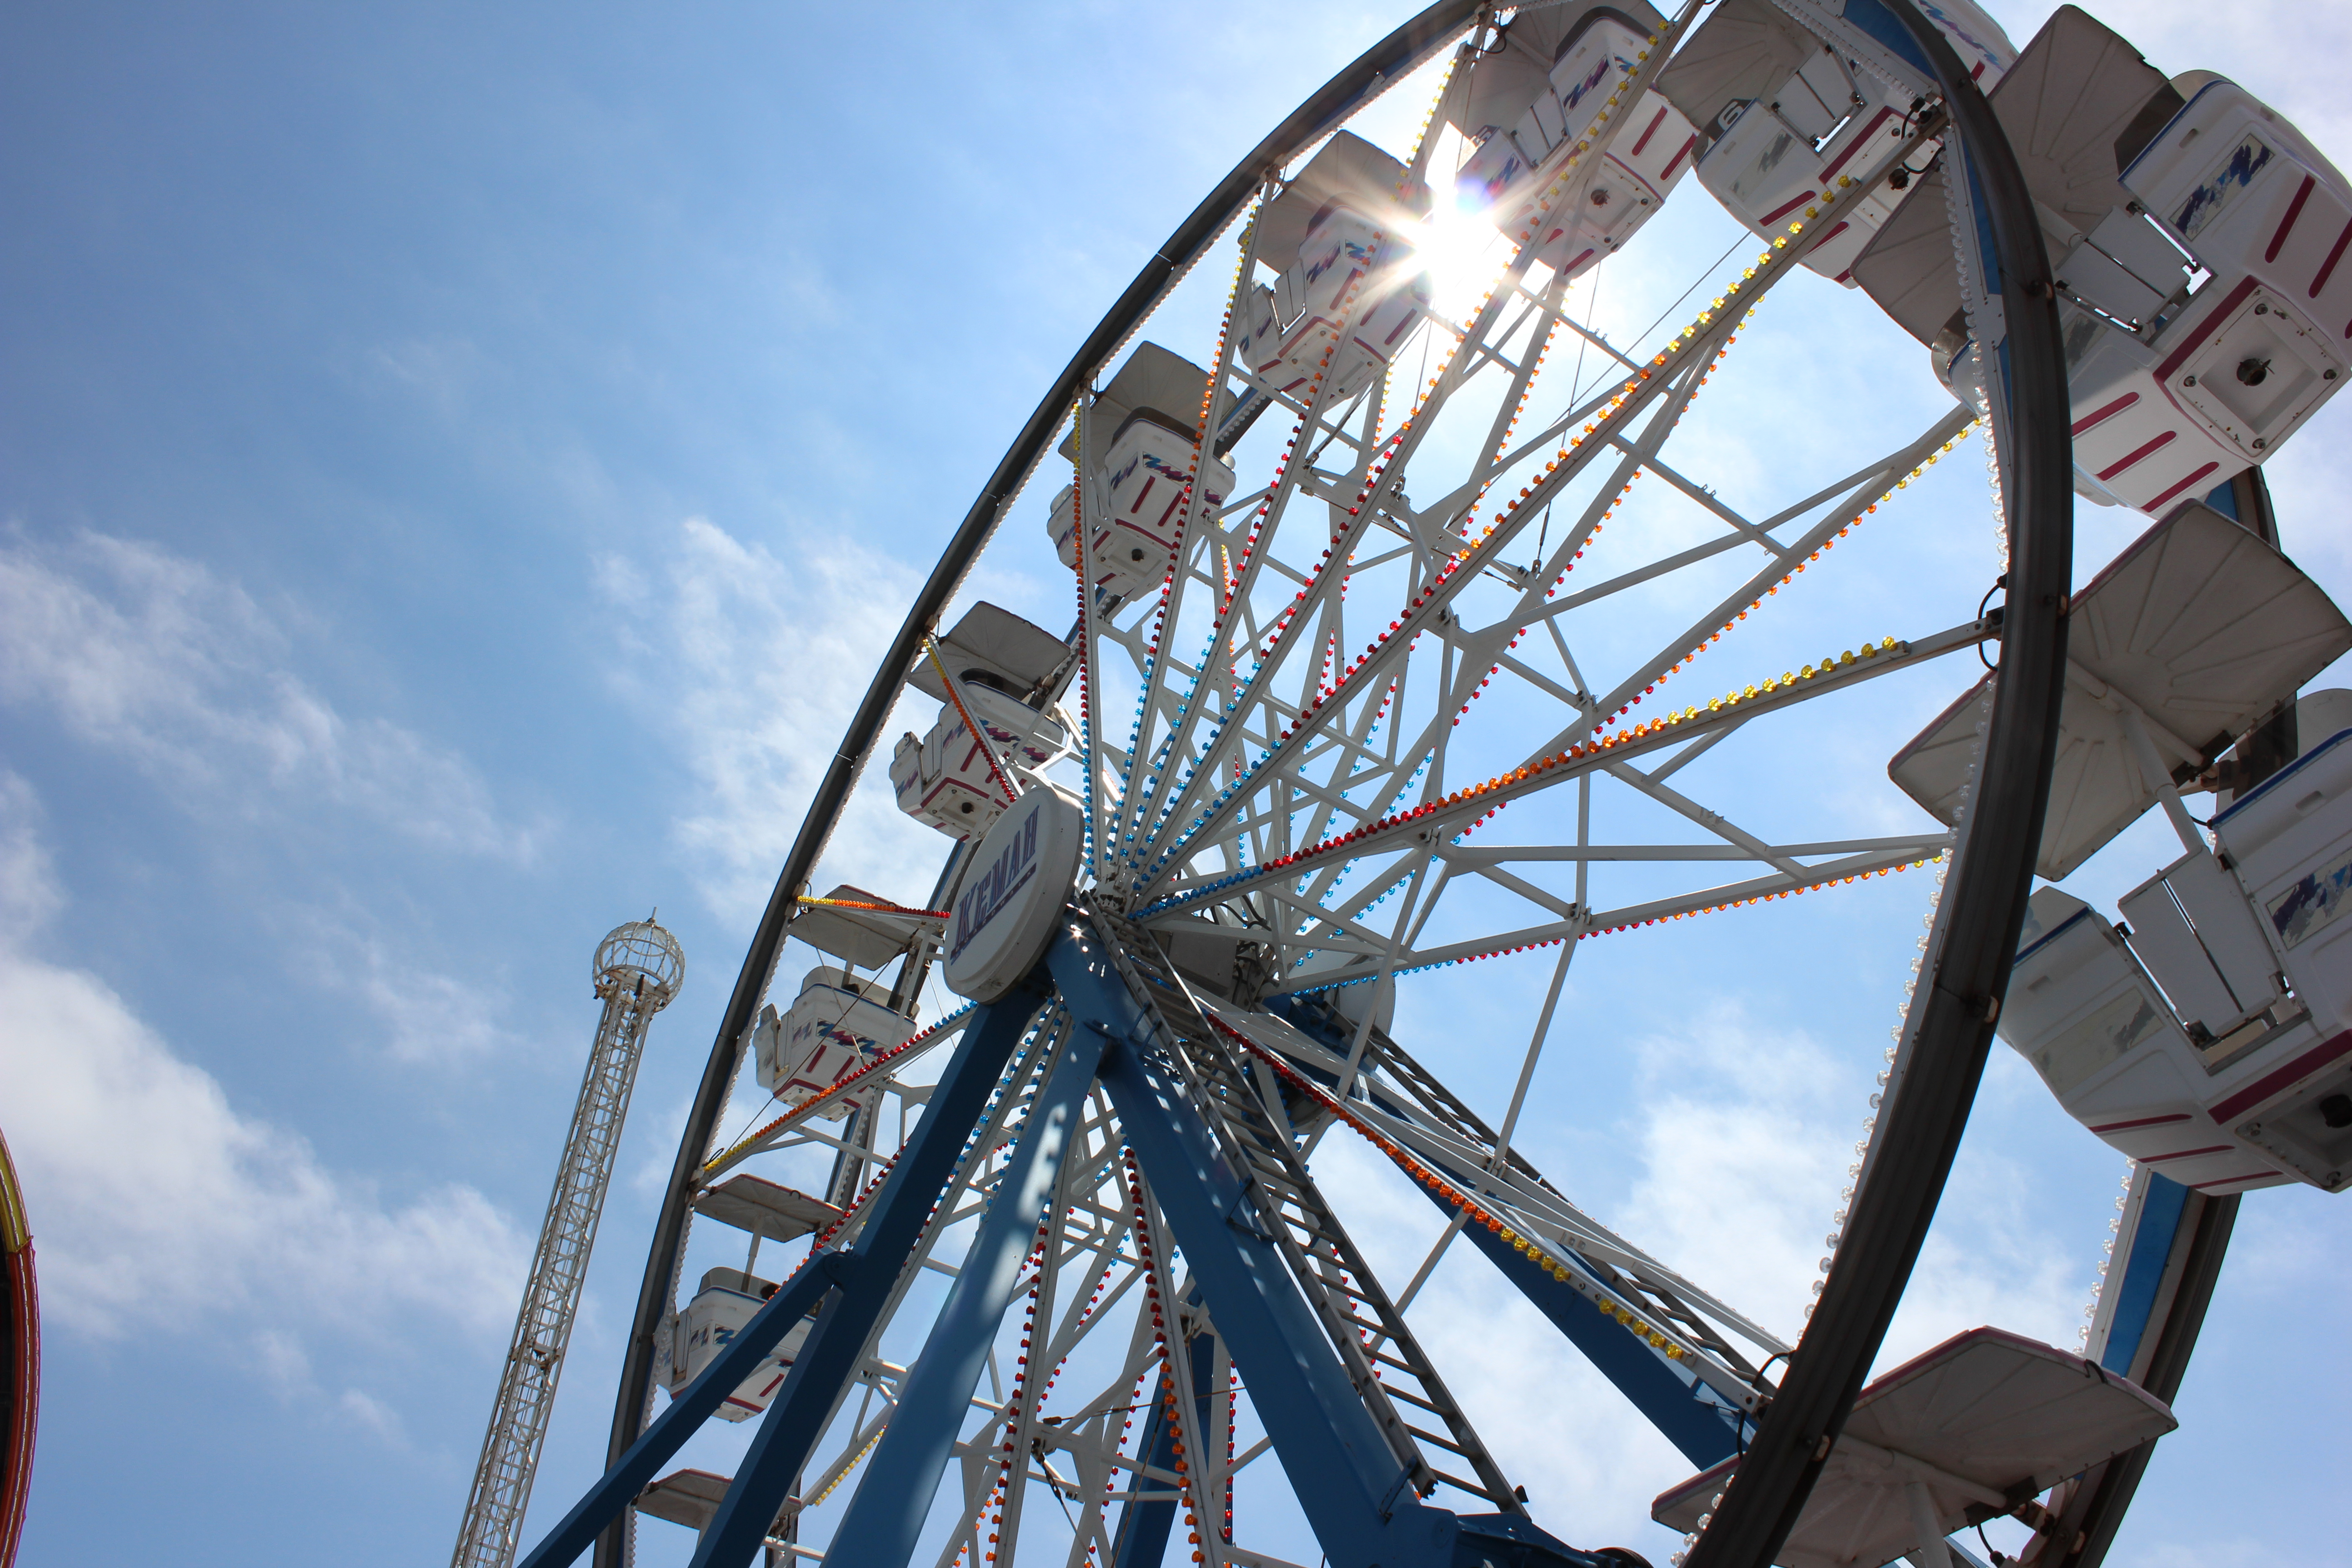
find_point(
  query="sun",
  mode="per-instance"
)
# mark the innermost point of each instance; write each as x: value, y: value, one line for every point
x: 1460, y: 247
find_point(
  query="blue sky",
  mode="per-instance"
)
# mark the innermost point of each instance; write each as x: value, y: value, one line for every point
x: 457, y: 466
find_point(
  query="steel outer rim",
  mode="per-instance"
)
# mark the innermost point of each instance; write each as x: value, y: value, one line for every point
x: 1966, y: 964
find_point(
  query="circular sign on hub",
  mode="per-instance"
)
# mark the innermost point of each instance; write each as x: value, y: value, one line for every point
x: 1019, y: 882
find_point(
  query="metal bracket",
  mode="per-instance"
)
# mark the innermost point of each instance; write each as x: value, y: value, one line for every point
x: 1244, y: 1217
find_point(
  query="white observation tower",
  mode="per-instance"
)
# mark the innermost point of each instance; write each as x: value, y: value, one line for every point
x: 639, y: 968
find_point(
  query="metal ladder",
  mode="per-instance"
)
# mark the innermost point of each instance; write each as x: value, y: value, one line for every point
x: 1365, y: 1328
x: 1436, y: 1103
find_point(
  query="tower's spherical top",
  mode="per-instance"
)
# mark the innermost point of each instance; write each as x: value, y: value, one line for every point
x: 642, y: 948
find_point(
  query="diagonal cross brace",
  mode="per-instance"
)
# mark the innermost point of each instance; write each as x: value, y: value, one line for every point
x: 855, y: 1285
x: 837, y: 1344
x: 816, y: 1280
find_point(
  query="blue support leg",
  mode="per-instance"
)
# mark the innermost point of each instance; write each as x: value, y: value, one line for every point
x: 892, y: 1500
x: 1702, y: 1430
x: 837, y: 1344
x: 687, y: 1412
x: 1705, y: 1432
x: 1356, y: 1494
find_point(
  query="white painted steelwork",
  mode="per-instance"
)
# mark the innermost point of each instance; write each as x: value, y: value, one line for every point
x: 1302, y: 694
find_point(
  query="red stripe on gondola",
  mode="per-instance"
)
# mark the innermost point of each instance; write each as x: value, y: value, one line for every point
x: 1677, y: 160
x: 2142, y: 1122
x: 2327, y: 268
x: 1785, y: 208
x: 2162, y: 440
x: 1660, y: 119
x: 2098, y: 415
x: 2204, y: 330
x: 2294, y: 211
x: 1878, y: 119
x: 2271, y: 1083
x: 2194, y: 475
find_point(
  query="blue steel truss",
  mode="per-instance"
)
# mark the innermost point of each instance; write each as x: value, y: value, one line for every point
x: 879, y: 1529
x: 1362, y: 1506
x: 1680, y: 1406
x: 854, y: 1286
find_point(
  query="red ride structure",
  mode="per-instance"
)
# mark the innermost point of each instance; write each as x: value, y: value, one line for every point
x: 20, y: 1359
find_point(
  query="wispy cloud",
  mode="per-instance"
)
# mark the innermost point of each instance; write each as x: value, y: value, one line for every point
x: 434, y: 1009
x: 29, y: 894
x: 432, y: 1017
x: 149, y: 656
x: 373, y: 1414
x: 1748, y: 1132
x: 756, y: 666
x: 155, y: 1201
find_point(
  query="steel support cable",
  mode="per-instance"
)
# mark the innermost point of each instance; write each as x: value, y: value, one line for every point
x: 1394, y: 57
x: 1966, y: 968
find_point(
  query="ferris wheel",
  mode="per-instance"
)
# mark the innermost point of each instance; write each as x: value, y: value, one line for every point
x: 1393, y: 602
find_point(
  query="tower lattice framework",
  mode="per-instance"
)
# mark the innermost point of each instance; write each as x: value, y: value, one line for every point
x: 638, y: 969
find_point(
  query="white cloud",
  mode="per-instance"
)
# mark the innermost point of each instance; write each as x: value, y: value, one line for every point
x: 432, y: 1014
x: 761, y: 664
x: 374, y: 1415
x: 434, y: 1017
x: 29, y: 886
x: 283, y: 1362
x: 439, y: 371
x: 1746, y: 1134
x: 147, y: 654
x: 154, y: 1200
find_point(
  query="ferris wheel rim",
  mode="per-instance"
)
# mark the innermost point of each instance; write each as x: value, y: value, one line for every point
x: 978, y: 525
x: 1983, y: 908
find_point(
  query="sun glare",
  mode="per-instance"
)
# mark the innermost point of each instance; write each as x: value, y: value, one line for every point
x: 1458, y: 243
x: 1461, y: 250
